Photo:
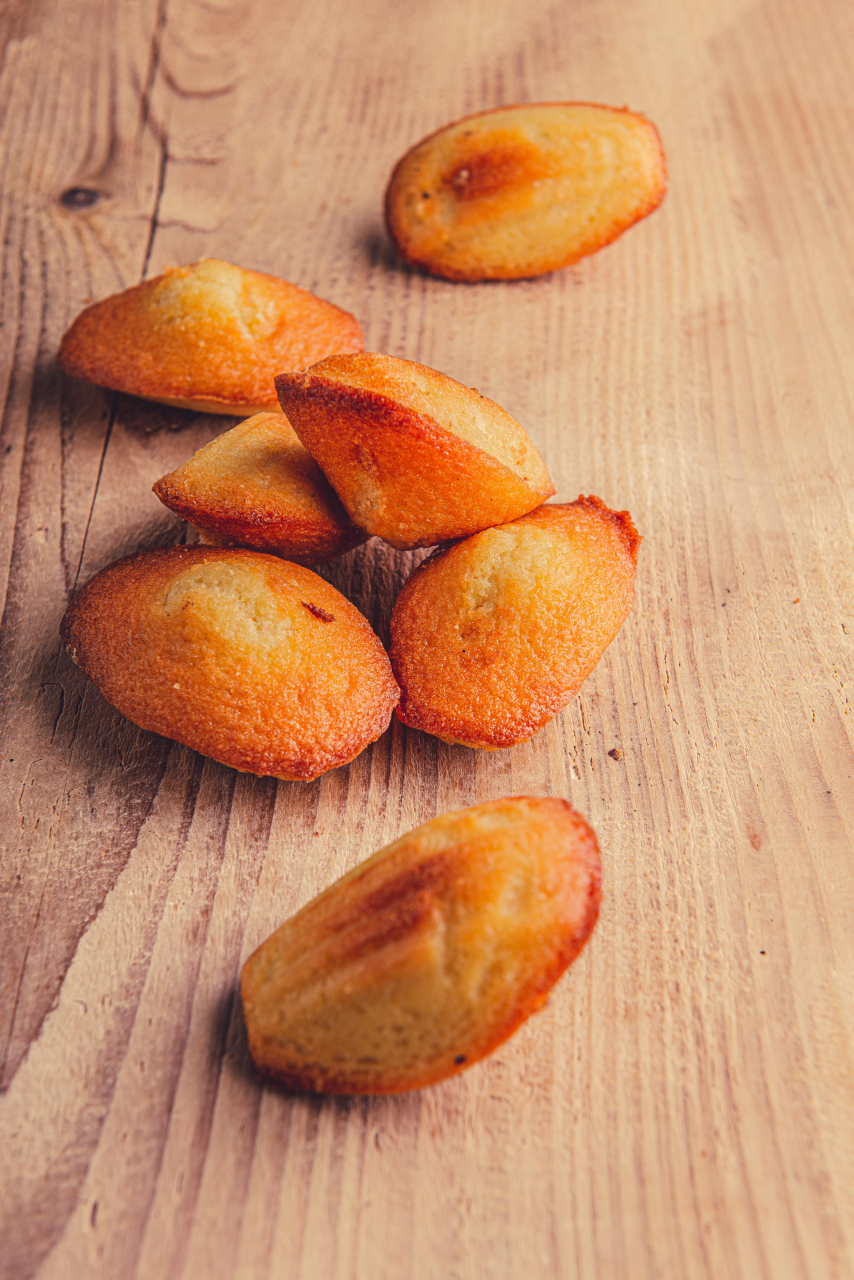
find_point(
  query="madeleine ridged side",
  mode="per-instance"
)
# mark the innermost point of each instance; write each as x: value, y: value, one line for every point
x: 522, y: 190
x: 429, y: 955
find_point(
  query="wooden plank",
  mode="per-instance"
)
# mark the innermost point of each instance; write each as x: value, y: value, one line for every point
x: 69, y: 122
x: 683, y: 1107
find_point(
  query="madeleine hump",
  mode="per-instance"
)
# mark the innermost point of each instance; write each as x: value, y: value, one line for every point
x: 256, y: 486
x: 251, y: 660
x: 492, y: 636
x: 209, y: 337
x: 414, y: 456
x: 522, y: 190
x: 429, y: 955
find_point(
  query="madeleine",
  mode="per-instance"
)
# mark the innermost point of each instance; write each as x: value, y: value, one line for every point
x: 414, y: 456
x: 256, y: 486
x: 251, y: 660
x: 429, y: 955
x: 209, y: 337
x: 491, y: 637
x: 523, y: 190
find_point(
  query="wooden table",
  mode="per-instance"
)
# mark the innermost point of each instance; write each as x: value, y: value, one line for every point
x: 684, y: 1107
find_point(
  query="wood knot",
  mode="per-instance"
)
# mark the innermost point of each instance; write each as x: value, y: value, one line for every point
x: 79, y: 197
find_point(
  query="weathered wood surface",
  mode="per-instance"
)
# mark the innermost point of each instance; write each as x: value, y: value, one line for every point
x: 685, y: 1106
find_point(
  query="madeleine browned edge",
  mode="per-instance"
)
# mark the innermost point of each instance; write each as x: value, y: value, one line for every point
x: 257, y: 486
x: 415, y: 457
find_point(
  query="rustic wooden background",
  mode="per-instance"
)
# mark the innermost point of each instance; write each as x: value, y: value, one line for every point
x: 684, y: 1108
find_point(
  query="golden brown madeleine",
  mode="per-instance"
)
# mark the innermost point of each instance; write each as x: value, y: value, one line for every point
x: 522, y: 190
x: 414, y: 456
x: 254, y: 661
x: 429, y: 955
x: 491, y: 637
x: 256, y: 486
x: 209, y: 337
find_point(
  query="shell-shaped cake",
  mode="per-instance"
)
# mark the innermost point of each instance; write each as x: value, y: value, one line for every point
x: 251, y: 660
x: 210, y: 336
x: 491, y: 637
x: 429, y: 955
x: 522, y: 190
x: 414, y: 456
x: 257, y: 486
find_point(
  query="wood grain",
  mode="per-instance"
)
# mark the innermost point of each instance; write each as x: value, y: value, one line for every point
x: 683, y: 1108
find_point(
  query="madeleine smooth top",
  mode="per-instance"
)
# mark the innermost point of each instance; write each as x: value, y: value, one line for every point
x: 209, y: 337
x: 254, y: 661
x: 414, y: 456
x: 493, y: 636
x: 522, y: 190
x: 256, y: 486
x: 427, y: 956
